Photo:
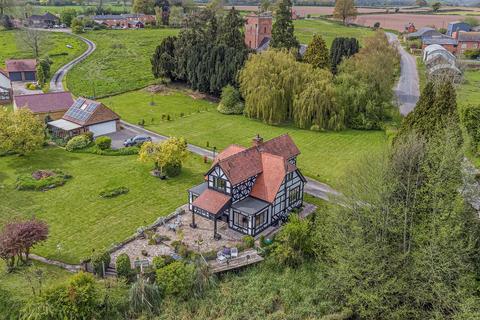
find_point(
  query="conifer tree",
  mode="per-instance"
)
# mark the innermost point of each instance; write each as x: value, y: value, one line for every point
x: 342, y: 48
x: 317, y: 53
x: 283, y: 29
x: 230, y: 30
x: 163, y: 60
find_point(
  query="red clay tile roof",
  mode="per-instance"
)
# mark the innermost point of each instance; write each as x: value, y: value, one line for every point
x: 269, y: 181
x: 45, y: 102
x: 239, y: 163
x: 21, y: 65
x: 211, y: 201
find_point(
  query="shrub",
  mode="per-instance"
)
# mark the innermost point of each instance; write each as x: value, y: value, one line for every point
x: 103, y: 143
x: 470, y: 117
x: 29, y: 182
x: 161, y: 261
x: 231, y: 102
x: 77, y: 142
x: 177, y: 278
x: 249, y: 241
x: 115, y: 192
x: 173, y: 169
x: 98, y: 260
x: 123, y: 266
x: 472, y: 53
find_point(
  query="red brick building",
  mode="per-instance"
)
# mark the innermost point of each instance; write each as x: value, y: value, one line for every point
x: 467, y: 41
x: 258, y: 30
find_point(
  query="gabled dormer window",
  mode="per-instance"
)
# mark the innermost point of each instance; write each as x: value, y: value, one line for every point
x: 219, y: 184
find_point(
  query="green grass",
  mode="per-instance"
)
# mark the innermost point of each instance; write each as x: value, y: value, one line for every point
x: 422, y: 73
x: 305, y: 29
x: 53, y: 44
x: 121, y: 62
x: 326, y: 156
x: 468, y: 92
x: 79, y: 219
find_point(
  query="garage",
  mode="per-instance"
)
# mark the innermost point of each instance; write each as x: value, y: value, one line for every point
x: 15, y: 76
x: 103, y: 128
x: 30, y: 76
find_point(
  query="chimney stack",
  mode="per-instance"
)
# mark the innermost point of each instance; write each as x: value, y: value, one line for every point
x: 257, y: 141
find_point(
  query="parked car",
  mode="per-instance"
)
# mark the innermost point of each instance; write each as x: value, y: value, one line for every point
x: 136, y: 141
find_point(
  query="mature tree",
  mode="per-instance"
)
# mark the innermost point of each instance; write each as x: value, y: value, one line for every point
x: 177, y: 278
x: 32, y: 39
x: 77, y: 25
x: 5, y: 6
x: 435, y: 110
x: 264, y: 5
x: 342, y: 48
x: 172, y: 151
x: 472, y: 21
x: 283, y: 30
x: 20, y: 131
x: 143, y: 6
x: 317, y: 53
x: 345, y: 10
x: 6, y: 22
x: 230, y: 33
x: 470, y: 116
x: 365, y: 81
x: 177, y: 15
x: 164, y: 6
x: 163, y: 60
x: 436, y: 6
x: 43, y: 71
x: 67, y: 15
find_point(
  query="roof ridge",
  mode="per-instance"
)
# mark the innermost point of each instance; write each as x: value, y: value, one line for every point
x: 40, y: 94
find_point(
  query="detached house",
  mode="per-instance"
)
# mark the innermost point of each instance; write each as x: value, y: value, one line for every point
x: 250, y: 188
x: 50, y: 106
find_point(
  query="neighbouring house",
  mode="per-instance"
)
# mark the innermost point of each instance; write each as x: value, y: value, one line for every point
x: 423, y: 32
x: 440, y: 63
x: 46, y: 106
x: 85, y: 116
x: 43, y: 21
x: 250, y: 188
x: 467, y: 41
x: 22, y: 69
x: 457, y: 26
x: 125, y: 20
x: 450, y: 44
x: 6, y: 92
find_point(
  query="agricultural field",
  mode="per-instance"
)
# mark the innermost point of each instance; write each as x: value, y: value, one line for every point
x: 59, y: 9
x: 326, y: 156
x: 53, y: 45
x: 305, y: 29
x: 79, y: 219
x: 399, y: 20
x: 120, y: 63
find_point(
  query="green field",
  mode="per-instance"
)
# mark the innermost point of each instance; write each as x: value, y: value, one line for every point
x: 468, y: 92
x: 53, y: 44
x: 305, y: 29
x: 78, y: 218
x: 326, y: 156
x: 59, y: 9
x: 121, y: 62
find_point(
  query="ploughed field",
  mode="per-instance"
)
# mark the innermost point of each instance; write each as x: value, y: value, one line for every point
x: 326, y: 156
x: 78, y: 218
x: 52, y: 44
x: 399, y: 20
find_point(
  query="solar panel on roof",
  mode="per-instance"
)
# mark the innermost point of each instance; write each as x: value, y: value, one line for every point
x: 91, y: 107
x: 78, y: 103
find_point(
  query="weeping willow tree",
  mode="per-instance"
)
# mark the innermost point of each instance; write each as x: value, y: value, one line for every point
x: 272, y: 81
x: 315, y: 106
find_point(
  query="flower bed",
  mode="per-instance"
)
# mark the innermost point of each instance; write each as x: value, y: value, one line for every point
x: 115, y: 192
x: 42, y: 180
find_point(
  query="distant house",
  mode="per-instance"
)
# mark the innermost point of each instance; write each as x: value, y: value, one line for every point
x: 43, y: 21
x: 467, y: 41
x: 450, y: 44
x: 457, y: 26
x: 22, y: 70
x: 252, y: 188
x: 85, y: 116
x: 50, y: 106
x: 124, y: 20
x: 422, y: 33
x: 5, y: 88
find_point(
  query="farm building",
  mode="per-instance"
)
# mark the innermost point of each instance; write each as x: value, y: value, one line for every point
x: 441, y: 63
x: 5, y: 88
x: 450, y: 44
x: 467, y: 41
x: 85, y: 116
x: 43, y: 21
x: 250, y: 188
x: 125, y: 20
x: 22, y: 70
x: 457, y: 26
x: 422, y: 33
x: 50, y: 106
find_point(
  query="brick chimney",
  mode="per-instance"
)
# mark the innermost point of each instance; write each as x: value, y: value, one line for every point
x: 257, y: 141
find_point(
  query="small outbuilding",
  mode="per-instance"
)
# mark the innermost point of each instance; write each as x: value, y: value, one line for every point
x: 50, y: 106
x: 22, y: 69
x: 85, y: 115
x: 6, y: 93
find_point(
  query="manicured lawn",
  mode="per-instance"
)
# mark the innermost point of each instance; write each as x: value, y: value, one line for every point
x: 468, y: 92
x: 326, y: 156
x: 121, y: 62
x: 54, y: 45
x: 78, y: 218
x: 305, y: 29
